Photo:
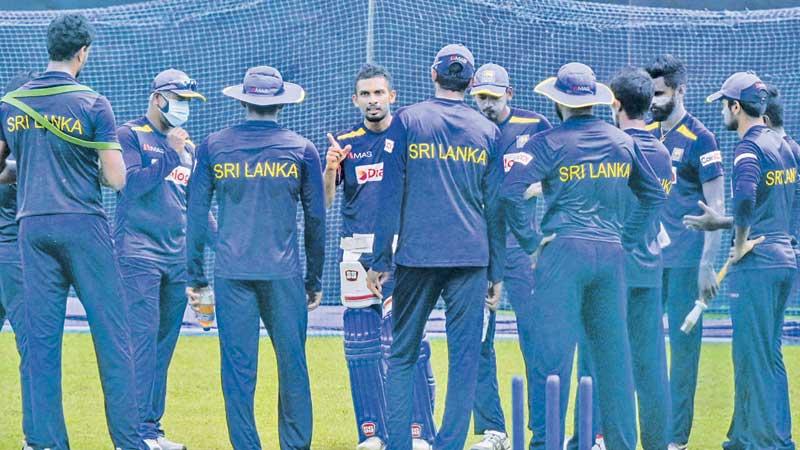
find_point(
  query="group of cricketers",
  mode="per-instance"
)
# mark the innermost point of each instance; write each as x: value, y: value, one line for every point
x: 438, y: 203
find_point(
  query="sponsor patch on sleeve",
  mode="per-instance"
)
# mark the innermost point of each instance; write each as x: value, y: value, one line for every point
x: 388, y: 146
x: 509, y: 159
x: 711, y: 158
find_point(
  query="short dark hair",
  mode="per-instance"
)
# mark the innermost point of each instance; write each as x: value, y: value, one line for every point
x: 452, y: 83
x: 751, y: 109
x: 774, y: 109
x: 633, y: 87
x: 20, y: 79
x: 671, y: 68
x: 368, y: 71
x: 263, y: 110
x: 67, y: 34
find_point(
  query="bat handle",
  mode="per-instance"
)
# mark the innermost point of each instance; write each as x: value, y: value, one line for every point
x: 693, y: 316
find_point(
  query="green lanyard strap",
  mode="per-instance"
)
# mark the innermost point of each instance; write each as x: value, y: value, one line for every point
x: 13, y: 99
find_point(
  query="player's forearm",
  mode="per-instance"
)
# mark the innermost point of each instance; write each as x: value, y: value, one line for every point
x: 314, y: 234
x: 143, y: 180
x: 329, y: 181
x: 198, y: 211
x: 195, y: 246
x: 519, y: 221
x: 112, y: 168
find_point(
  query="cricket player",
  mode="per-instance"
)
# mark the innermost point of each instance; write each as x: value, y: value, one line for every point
x: 492, y: 91
x: 689, y: 259
x: 367, y: 327
x: 11, y: 305
x: 150, y: 237
x: 259, y: 171
x: 633, y: 95
x: 773, y: 118
x: 763, y: 271
x: 442, y: 172
x: 56, y: 126
x: 587, y: 169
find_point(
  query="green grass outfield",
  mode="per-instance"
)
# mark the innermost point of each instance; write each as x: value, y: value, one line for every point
x: 195, y: 413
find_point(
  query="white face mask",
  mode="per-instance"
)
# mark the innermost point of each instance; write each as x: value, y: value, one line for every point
x: 176, y: 112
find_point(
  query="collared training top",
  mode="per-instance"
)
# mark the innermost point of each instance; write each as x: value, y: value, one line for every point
x: 361, y: 174
x: 765, y: 190
x: 150, y: 220
x: 587, y: 168
x: 442, y: 172
x: 696, y: 159
x: 643, y: 264
x: 55, y: 176
x: 259, y: 171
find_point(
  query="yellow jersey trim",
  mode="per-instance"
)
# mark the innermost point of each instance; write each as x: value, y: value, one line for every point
x: 352, y: 134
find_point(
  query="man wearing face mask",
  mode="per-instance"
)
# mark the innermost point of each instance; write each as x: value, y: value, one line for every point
x: 150, y: 236
x: 689, y: 259
x: 492, y: 92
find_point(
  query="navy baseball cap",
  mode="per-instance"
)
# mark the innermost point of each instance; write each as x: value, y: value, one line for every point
x: 177, y: 82
x: 745, y: 87
x: 264, y: 85
x: 575, y: 86
x: 491, y: 79
x: 455, y: 61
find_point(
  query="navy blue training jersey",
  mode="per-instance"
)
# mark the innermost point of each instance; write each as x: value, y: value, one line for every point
x: 775, y: 171
x: 587, y: 168
x: 643, y: 263
x: 442, y: 171
x: 696, y: 159
x: 361, y: 173
x: 259, y: 171
x: 515, y: 131
x: 150, y: 220
x: 54, y: 176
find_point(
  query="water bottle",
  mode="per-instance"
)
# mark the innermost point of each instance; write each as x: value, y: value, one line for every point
x: 204, y: 312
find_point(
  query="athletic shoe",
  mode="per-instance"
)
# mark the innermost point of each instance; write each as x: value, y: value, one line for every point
x: 674, y: 446
x: 421, y: 444
x: 152, y: 444
x: 493, y: 440
x: 373, y: 443
x: 166, y: 444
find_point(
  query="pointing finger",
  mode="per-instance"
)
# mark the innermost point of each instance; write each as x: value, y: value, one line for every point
x: 334, y: 143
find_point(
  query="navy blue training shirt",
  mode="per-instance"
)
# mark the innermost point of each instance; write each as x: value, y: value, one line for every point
x: 515, y: 131
x: 259, y: 171
x: 150, y: 220
x: 54, y: 176
x: 587, y: 168
x: 764, y: 191
x: 643, y: 264
x: 361, y: 173
x: 442, y: 173
x: 696, y: 159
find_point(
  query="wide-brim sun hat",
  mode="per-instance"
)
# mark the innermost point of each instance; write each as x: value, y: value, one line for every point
x: 264, y: 86
x: 575, y: 86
